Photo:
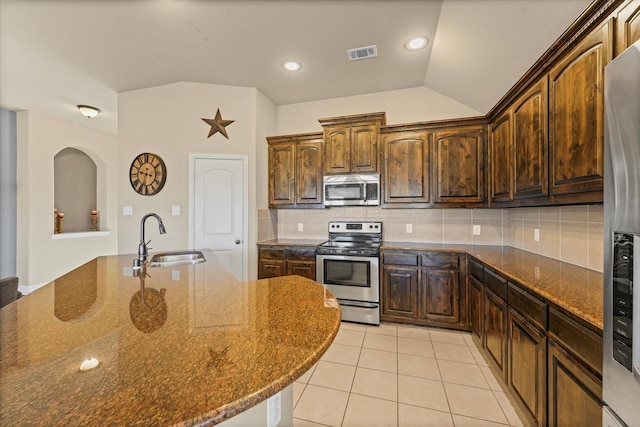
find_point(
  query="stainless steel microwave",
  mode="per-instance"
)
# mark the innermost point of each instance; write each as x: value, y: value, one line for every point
x: 352, y: 190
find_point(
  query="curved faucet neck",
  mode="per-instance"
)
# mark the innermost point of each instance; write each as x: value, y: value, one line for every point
x: 143, y: 251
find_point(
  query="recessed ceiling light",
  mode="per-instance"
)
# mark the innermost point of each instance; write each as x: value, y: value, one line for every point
x: 88, y: 111
x: 416, y: 43
x: 291, y: 66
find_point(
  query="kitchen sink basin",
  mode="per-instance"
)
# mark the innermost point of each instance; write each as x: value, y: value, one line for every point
x: 170, y: 259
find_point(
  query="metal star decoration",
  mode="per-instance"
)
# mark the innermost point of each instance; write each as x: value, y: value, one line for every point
x: 218, y: 125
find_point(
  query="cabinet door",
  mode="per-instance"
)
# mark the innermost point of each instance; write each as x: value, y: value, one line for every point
x: 495, y: 330
x: 530, y: 143
x: 400, y: 292
x: 627, y: 26
x: 527, y: 376
x: 364, y: 148
x: 577, y: 116
x: 500, y: 150
x: 309, y: 172
x: 439, y: 297
x: 459, y: 165
x: 268, y: 268
x: 475, y: 307
x: 406, y: 167
x: 574, y: 392
x: 282, y: 175
x: 337, y: 150
x: 302, y: 268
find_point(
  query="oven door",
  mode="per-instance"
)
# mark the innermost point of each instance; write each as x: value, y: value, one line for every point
x: 353, y: 278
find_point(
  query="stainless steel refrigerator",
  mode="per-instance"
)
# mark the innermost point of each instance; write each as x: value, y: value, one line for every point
x: 621, y: 364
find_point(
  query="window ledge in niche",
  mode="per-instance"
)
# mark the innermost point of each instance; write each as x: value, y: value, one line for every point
x: 80, y: 234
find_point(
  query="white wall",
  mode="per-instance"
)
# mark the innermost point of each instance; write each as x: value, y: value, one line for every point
x: 7, y: 193
x: 41, y: 259
x: 417, y: 104
x: 167, y: 120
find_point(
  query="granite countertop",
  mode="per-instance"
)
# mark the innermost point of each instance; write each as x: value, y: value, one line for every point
x: 187, y: 345
x: 577, y: 290
x: 292, y: 242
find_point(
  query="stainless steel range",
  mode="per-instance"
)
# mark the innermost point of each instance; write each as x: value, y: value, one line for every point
x: 348, y: 265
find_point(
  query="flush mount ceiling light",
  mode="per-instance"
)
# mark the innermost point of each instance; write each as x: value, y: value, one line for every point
x: 88, y: 111
x: 291, y: 66
x: 416, y: 43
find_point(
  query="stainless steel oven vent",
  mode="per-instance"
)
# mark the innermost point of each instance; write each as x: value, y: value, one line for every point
x: 362, y: 53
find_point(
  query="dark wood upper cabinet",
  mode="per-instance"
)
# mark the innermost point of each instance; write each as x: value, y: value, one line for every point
x: 530, y: 142
x: 459, y: 165
x: 500, y: 159
x: 351, y: 143
x: 627, y: 26
x: 295, y: 170
x: 577, y: 116
x: 406, y: 168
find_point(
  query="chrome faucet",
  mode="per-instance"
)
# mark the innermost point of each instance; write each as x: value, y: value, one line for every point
x: 143, y: 250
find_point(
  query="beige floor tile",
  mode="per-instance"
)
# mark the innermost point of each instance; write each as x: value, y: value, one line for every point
x: 480, y: 360
x: 462, y: 373
x: 353, y: 327
x: 340, y: 353
x: 378, y: 359
x: 468, y: 338
x: 491, y: 376
x: 380, y: 342
x: 448, y: 337
x: 333, y: 375
x: 321, y: 405
x: 349, y: 337
x: 298, y: 388
x: 415, y: 332
x: 365, y: 411
x: 417, y: 366
x: 414, y: 416
x: 303, y: 423
x: 422, y: 392
x: 415, y: 347
x: 383, y: 329
x: 508, y: 409
x: 304, y: 378
x: 454, y: 352
x: 380, y: 384
x: 461, y: 421
x: 474, y: 402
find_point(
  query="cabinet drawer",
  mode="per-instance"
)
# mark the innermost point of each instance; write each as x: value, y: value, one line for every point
x: 476, y: 270
x: 305, y: 254
x: 583, y: 343
x: 528, y: 306
x: 271, y: 253
x: 447, y: 261
x: 400, y: 259
x: 496, y: 283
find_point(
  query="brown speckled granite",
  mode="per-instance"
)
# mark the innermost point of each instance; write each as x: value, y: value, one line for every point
x: 577, y: 290
x: 203, y: 348
x: 292, y: 242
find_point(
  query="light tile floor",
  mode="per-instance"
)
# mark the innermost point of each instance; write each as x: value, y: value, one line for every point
x: 402, y: 376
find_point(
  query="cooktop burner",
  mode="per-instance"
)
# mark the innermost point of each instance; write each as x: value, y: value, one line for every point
x: 352, y: 238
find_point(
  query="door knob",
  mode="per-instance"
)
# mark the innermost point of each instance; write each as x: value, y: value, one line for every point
x: 237, y: 241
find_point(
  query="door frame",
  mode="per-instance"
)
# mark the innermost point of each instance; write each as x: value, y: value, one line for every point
x: 245, y: 201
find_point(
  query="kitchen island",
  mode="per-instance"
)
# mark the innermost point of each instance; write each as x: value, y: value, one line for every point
x: 181, y: 345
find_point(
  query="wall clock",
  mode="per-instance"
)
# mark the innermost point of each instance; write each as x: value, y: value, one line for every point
x: 147, y: 174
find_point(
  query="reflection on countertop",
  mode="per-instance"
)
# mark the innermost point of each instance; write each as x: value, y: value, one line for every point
x: 207, y: 348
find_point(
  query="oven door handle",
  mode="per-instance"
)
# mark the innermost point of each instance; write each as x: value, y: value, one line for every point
x: 359, y: 304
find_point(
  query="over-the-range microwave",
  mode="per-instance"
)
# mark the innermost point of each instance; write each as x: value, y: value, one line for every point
x: 352, y: 190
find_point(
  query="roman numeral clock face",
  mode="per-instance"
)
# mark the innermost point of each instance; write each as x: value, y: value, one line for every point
x: 147, y: 174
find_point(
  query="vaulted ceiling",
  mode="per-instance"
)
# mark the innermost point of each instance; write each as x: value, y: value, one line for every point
x: 57, y: 54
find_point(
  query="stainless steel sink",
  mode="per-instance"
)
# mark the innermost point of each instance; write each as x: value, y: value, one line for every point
x: 169, y: 259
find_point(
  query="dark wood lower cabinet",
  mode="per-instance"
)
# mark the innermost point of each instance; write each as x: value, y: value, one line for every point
x: 268, y: 268
x: 400, y: 292
x: 495, y: 331
x: 527, y: 379
x: 439, y: 299
x: 575, y: 393
x: 302, y: 268
x: 276, y: 261
x: 475, y: 307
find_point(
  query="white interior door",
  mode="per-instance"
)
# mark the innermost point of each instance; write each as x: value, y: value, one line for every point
x: 219, y: 211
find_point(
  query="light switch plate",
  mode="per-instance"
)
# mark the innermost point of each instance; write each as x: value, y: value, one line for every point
x: 409, y: 228
x: 476, y: 230
x: 300, y: 226
x: 536, y: 234
x: 127, y: 210
x: 175, y: 210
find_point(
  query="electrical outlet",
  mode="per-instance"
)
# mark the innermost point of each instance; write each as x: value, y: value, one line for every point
x: 409, y: 228
x: 476, y: 230
x: 175, y: 210
x: 300, y: 226
x: 175, y: 274
x: 536, y: 234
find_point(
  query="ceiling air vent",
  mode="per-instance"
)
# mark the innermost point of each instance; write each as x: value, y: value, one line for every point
x: 362, y: 53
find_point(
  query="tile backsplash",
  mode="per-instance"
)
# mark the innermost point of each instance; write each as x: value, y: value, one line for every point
x: 573, y: 234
